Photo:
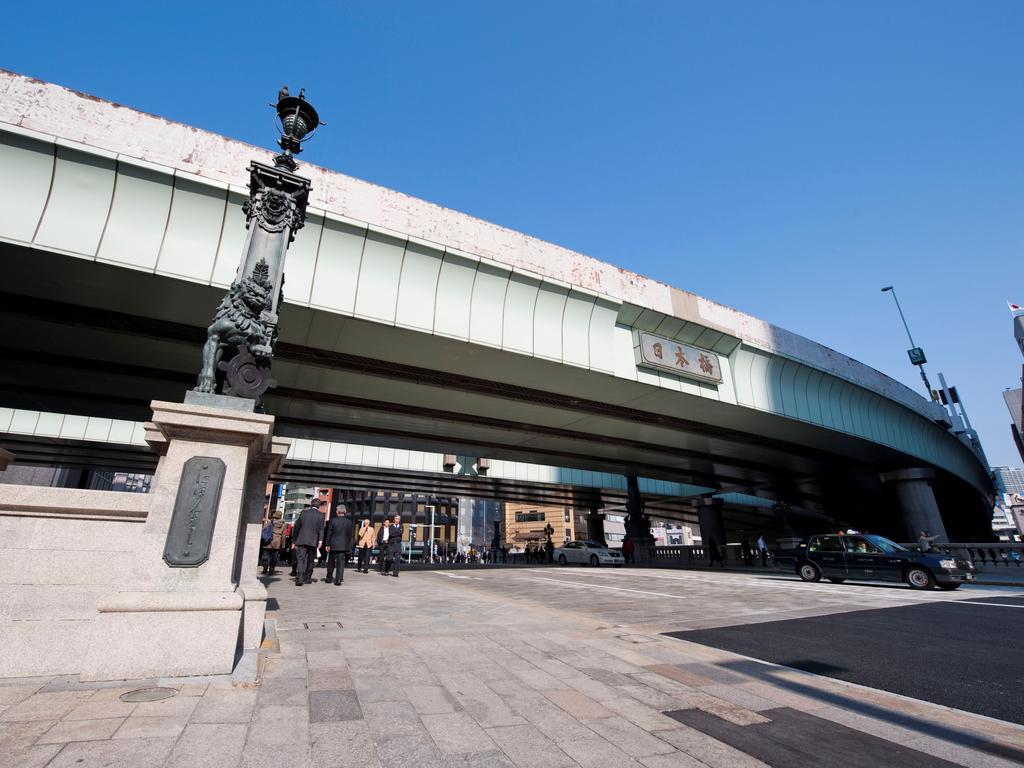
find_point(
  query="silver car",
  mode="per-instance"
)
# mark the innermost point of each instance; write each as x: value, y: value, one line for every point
x: 588, y: 553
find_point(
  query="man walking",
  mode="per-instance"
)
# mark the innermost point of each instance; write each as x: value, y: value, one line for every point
x: 338, y: 541
x: 745, y: 551
x: 306, y: 535
x: 714, y: 553
x: 627, y: 550
x: 382, y: 548
x: 272, y: 546
x: 365, y: 544
x: 926, y: 542
x: 762, y: 550
x: 394, y: 544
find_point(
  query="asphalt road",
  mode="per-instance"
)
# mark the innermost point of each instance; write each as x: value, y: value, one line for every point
x: 966, y: 654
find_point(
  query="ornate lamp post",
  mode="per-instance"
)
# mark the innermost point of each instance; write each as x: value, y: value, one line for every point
x: 549, y: 546
x: 240, y: 342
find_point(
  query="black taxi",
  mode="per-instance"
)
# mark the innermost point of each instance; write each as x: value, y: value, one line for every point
x: 838, y: 557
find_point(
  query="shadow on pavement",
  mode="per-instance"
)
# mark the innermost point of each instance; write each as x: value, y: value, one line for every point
x: 773, y: 675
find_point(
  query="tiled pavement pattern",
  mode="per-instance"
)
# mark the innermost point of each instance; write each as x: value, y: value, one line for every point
x: 535, y: 668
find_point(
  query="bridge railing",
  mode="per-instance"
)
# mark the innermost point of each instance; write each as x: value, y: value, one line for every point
x: 986, y: 556
x: 697, y: 555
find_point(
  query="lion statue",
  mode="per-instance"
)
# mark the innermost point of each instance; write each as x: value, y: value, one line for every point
x: 239, y: 323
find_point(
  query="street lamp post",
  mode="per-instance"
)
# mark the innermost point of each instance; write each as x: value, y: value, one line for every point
x: 430, y: 538
x: 915, y: 352
x: 241, y: 340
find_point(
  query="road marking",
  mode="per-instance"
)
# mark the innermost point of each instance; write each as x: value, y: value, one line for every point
x: 455, y: 575
x: 902, y: 595
x: 604, y: 586
x: 850, y: 596
x: 994, y: 605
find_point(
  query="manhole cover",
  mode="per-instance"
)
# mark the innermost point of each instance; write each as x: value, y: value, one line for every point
x: 636, y: 638
x: 324, y: 625
x: 148, y: 694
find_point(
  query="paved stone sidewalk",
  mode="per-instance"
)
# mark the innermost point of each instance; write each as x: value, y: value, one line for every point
x: 496, y: 669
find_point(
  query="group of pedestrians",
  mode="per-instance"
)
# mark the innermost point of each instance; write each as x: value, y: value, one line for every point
x: 539, y: 552
x: 338, y: 538
x: 389, y: 544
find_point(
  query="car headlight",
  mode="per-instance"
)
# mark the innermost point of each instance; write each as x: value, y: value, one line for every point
x: 948, y: 564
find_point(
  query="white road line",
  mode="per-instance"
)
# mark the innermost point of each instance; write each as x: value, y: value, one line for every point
x: 862, y: 590
x: 616, y: 589
x: 994, y: 605
x: 455, y: 575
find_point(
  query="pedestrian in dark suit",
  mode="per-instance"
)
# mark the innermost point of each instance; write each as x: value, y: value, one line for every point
x: 395, y: 544
x: 382, y: 549
x: 306, y: 537
x: 338, y: 541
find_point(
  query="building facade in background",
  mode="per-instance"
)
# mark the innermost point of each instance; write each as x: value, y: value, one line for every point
x: 476, y: 523
x: 526, y: 523
x: 1008, y: 513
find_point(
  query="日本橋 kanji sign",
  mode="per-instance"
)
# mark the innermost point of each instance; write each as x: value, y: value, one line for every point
x: 682, y: 359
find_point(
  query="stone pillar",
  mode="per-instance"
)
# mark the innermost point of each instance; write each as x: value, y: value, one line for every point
x: 253, y: 593
x: 180, y: 610
x: 595, y: 526
x: 917, y: 501
x: 709, y: 516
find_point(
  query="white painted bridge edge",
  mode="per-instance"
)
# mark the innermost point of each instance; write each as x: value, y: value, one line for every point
x: 69, y: 118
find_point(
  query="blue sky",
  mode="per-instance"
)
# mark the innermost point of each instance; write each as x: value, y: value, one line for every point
x: 785, y: 158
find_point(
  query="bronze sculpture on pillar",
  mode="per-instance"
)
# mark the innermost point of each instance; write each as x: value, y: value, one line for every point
x: 240, y: 342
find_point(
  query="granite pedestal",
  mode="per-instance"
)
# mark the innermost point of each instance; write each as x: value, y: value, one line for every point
x: 173, y: 620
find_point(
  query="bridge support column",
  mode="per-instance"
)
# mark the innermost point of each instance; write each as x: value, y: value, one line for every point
x: 709, y: 517
x: 917, y: 501
x: 638, y: 524
x: 595, y: 526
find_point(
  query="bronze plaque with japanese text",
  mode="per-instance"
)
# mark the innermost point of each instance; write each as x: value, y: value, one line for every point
x: 195, y: 513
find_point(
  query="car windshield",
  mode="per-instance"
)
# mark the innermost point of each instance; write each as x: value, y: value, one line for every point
x: 885, y: 544
x: 594, y: 545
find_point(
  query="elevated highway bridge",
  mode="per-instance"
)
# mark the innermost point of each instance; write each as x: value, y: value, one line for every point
x: 410, y: 327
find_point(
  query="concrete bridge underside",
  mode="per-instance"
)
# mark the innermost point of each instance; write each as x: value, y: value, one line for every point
x: 70, y: 324
x: 38, y: 451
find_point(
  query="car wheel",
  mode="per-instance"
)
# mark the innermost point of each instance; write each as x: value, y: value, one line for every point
x: 593, y: 561
x: 809, y: 572
x: 562, y: 560
x: 835, y: 580
x: 949, y: 587
x: 919, y: 578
